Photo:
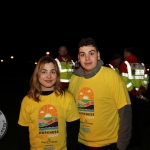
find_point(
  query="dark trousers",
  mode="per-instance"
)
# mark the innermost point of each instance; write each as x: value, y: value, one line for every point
x: 137, y: 121
x: 108, y: 147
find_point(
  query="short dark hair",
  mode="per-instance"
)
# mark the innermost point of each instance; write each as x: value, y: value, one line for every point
x: 115, y: 56
x: 131, y: 50
x: 86, y: 42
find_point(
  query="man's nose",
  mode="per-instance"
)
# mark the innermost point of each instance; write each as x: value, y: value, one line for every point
x: 87, y: 57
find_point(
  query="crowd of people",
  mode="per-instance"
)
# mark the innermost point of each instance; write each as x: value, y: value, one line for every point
x: 84, y: 105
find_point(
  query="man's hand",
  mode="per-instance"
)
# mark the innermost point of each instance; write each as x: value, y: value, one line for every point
x: 139, y: 94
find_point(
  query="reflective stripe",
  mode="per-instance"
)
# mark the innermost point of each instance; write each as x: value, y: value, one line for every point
x: 67, y: 70
x: 142, y: 64
x: 132, y: 77
x: 58, y: 62
x: 136, y: 89
x: 145, y: 82
x: 64, y: 80
x: 129, y: 85
x: 111, y: 66
x: 124, y: 74
x: 73, y: 63
x: 139, y: 72
x: 138, y: 77
x: 129, y: 69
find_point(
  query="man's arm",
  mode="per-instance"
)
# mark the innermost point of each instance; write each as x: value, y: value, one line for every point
x: 125, y: 127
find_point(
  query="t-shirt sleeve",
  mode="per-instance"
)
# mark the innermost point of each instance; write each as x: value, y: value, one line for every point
x: 119, y: 92
x: 72, y: 111
x: 24, y: 115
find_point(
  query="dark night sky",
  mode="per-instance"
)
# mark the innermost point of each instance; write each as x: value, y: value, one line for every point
x: 27, y: 32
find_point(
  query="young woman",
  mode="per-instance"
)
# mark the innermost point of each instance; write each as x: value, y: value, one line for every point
x: 49, y: 118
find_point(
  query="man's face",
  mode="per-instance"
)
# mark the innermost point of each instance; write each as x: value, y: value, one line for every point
x: 117, y: 61
x: 126, y: 54
x: 88, y: 57
x: 62, y: 51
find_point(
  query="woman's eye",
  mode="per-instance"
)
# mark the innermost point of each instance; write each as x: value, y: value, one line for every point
x: 53, y: 72
x: 43, y: 72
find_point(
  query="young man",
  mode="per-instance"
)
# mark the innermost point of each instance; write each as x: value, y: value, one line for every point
x: 103, y: 102
x: 66, y: 65
x: 136, y: 78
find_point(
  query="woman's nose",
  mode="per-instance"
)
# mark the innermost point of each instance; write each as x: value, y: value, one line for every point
x: 48, y: 75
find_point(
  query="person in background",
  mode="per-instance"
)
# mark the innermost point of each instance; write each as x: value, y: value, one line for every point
x: 115, y: 62
x: 48, y: 116
x: 105, y: 111
x: 66, y: 65
x: 136, y: 78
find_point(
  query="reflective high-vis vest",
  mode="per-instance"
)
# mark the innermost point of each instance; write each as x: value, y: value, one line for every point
x: 66, y: 70
x: 136, y: 76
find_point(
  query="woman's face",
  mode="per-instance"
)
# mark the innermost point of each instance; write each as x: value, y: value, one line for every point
x: 48, y: 77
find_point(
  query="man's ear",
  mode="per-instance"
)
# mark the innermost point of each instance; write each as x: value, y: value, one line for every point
x: 78, y: 58
x: 98, y: 55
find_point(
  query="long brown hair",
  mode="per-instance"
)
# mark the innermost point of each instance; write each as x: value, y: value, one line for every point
x: 35, y: 86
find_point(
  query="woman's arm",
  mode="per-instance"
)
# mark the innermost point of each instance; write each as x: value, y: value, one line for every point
x: 72, y: 134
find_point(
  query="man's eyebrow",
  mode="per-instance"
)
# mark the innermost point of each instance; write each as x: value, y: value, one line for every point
x: 88, y: 51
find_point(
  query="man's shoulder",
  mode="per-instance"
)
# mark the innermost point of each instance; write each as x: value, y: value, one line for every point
x: 106, y: 71
x: 123, y: 63
x: 105, y: 68
x: 74, y: 76
x: 69, y: 57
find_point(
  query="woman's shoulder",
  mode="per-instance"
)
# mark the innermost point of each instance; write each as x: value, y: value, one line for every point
x: 68, y: 93
x: 27, y: 100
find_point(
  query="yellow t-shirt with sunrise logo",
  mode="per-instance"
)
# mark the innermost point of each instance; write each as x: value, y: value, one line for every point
x: 47, y: 120
x: 98, y: 99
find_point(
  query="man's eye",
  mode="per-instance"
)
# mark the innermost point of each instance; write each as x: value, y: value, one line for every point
x: 91, y: 53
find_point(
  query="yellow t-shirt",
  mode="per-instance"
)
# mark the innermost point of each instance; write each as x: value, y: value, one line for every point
x: 98, y: 99
x: 47, y: 120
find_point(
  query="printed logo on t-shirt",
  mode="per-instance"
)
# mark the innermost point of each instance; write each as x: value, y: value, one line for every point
x: 86, y: 108
x: 48, y: 120
x: 85, y: 102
